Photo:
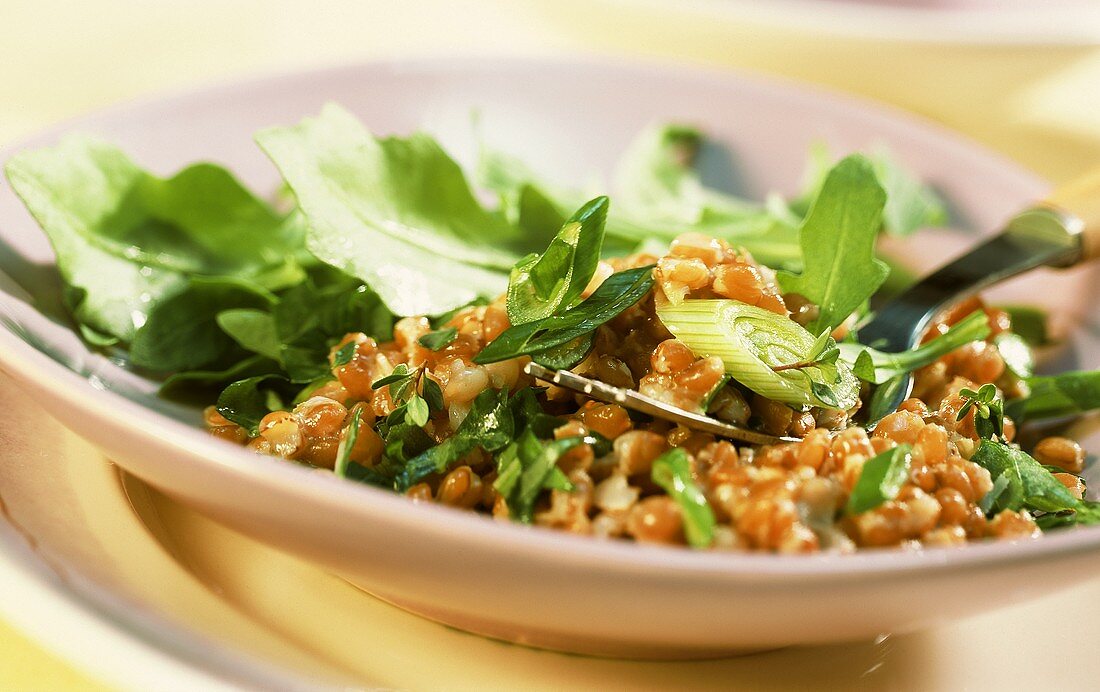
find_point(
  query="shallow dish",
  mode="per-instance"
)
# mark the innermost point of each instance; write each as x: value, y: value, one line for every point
x: 516, y: 583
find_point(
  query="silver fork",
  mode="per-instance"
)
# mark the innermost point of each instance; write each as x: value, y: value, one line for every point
x: 1048, y: 234
x: 1040, y: 236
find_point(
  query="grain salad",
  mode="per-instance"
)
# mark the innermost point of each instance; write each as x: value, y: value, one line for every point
x: 376, y: 321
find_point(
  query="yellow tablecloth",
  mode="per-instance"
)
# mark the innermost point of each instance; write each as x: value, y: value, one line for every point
x: 1040, y: 105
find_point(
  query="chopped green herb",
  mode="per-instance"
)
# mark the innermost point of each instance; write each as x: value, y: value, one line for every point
x: 672, y: 471
x: 439, y: 339
x: 344, y: 354
x: 489, y: 425
x: 348, y: 439
x: 400, y: 373
x: 988, y: 408
x: 417, y: 411
x: 432, y: 394
x: 880, y: 480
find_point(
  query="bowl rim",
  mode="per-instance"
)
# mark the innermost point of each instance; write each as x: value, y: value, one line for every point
x: 961, y: 26
x: 274, y: 476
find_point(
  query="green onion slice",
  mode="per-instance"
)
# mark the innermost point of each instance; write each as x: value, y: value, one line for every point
x: 753, y: 342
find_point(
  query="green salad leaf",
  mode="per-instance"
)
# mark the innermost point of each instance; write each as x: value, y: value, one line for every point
x: 127, y: 241
x: 769, y: 353
x: 253, y: 329
x: 199, y: 381
x: 656, y: 177
x: 881, y: 479
x: 1056, y: 396
x: 672, y: 472
x: 910, y: 205
x: 658, y: 196
x: 182, y: 333
x: 619, y: 292
x: 541, y: 285
x: 840, y: 271
x: 397, y: 213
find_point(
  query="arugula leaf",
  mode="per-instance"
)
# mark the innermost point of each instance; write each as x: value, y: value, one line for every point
x: 1056, y: 396
x: 181, y: 332
x: 672, y: 472
x: 126, y: 241
x: 253, y: 329
x: 178, y: 383
x: 245, y: 402
x: 309, y: 319
x: 876, y: 367
x: 770, y: 354
x: 910, y: 205
x: 439, y: 339
x: 540, y: 285
x: 880, y: 480
x: 489, y: 425
x: 619, y: 292
x: 397, y: 213
x: 655, y: 168
x: 656, y: 177
x: 840, y: 271
x: 1030, y: 486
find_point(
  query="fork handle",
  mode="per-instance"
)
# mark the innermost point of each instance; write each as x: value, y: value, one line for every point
x: 1081, y: 198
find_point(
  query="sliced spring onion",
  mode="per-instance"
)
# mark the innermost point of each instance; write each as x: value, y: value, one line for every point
x: 877, y: 366
x: 753, y: 342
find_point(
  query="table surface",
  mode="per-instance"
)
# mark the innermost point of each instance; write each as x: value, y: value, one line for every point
x: 64, y: 58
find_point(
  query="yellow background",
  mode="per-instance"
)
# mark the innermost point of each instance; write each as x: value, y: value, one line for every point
x: 1040, y: 105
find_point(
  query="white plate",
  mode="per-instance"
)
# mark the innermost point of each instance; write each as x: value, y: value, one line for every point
x: 510, y: 581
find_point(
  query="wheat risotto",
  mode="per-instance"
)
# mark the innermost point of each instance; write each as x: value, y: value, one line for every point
x: 375, y: 321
